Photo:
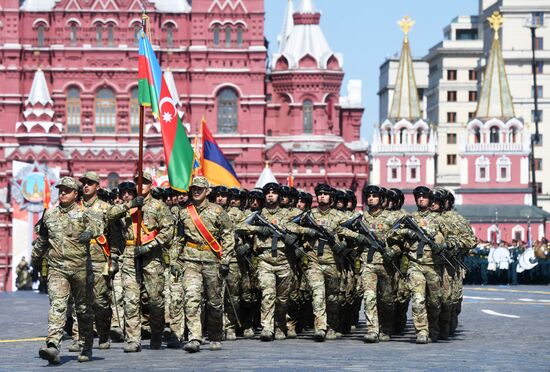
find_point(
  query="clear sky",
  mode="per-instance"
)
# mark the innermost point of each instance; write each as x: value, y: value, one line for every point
x: 366, y: 32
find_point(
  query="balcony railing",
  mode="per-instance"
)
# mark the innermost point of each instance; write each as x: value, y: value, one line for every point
x: 493, y: 147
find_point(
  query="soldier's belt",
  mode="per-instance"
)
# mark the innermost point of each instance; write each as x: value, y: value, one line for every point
x: 144, y: 238
x: 200, y: 247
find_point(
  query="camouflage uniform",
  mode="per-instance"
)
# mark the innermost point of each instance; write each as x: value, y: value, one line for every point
x: 117, y: 242
x: 157, y: 231
x: 348, y: 287
x: 378, y: 277
x: 323, y: 273
x: 237, y: 269
x: 69, y: 266
x: 176, y: 292
x: 424, y: 276
x: 201, y: 270
x: 274, y: 274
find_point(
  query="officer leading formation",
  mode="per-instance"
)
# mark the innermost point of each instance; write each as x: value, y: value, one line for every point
x: 217, y: 263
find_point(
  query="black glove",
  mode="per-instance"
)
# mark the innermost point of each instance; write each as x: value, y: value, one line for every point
x: 310, y: 233
x: 340, y: 248
x: 388, y: 255
x: 36, y: 264
x: 224, y: 270
x: 175, y: 270
x: 242, y: 250
x: 362, y: 240
x: 438, y: 248
x: 291, y: 239
x: 85, y: 237
x: 264, y: 231
x: 113, y: 269
x: 140, y: 250
x: 137, y: 202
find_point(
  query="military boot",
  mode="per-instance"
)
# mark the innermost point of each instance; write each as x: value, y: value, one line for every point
x: 104, y: 342
x: 266, y: 335
x: 230, y: 335
x: 173, y: 342
x: 248, y: 333
x: 279, y: 335
x: 319, y: 336
x: 132, y: 347
x: 331, y: 335
x: 50, y: 353
x: 192, y: 346
x: 422, y: 339
x: 85, y: 356
x: 383, y: 337
x: 291, y: 333
x: 215, y: 346
x: 117, y: 335
x: 371, y: 338
x: 74, y: 347
x: 156, y: 341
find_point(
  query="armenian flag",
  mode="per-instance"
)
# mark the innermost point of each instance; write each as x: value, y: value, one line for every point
x: 149, y: 76
x: 215, y: 166
x: 178, y: 151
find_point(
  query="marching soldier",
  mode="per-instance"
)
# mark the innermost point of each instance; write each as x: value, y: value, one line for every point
x: 323, y: 273
x: 209, y: 246
x: 65, y: 241
x: 144, y: 263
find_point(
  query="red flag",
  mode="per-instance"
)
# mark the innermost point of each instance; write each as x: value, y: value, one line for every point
x: 47, y: 193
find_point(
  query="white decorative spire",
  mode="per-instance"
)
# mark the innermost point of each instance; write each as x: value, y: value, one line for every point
x: 405, y: 103
x: 265, y: 177
x: 306, y: 38
x: 39, y: 90
x: 288, y: 24
x: 172, y: 6
x: 495, y: 99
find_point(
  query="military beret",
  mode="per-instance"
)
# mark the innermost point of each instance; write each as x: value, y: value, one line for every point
x: 67, y: 182
x: 92, y: 176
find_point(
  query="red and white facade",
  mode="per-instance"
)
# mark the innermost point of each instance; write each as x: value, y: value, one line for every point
x: 68, y: 97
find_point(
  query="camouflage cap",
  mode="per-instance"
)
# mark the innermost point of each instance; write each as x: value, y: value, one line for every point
x: 67, y: 182
x: 92, y: 176
x: 147, y: 178
x: 200, y: 182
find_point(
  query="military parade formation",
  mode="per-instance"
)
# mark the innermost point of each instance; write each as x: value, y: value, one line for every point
x: 218, y: 263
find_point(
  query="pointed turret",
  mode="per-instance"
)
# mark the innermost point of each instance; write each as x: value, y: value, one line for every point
x: 288, y: 24
x: 172, y: 6
x: 38, y: 5
x: 39, y: 90
x: 265, y: 177
x: 406, y: 103
x: 495, y: 100
x: 306, y: 39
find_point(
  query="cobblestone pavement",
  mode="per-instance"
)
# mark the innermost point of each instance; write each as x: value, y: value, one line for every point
x: 502, y: 329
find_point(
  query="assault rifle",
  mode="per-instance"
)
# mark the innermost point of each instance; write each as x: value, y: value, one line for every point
x: 357, y: 224
x: 424, y: 239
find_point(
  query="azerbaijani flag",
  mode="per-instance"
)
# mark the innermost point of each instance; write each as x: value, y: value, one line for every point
x: 178, y: 151
x: 149, y: 76
x: 215, y: 166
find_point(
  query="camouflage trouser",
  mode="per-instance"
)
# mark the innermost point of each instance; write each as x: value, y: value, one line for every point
x: 379, y: 291
x: 101, y: 303
x: 177, y: 296
x: 324, y: 280
x: 457, y: 294
x: 294, y: 302
x: 61, y: 285
x: 118, y: 292
x: 402, y: 298
x: 166, y: 295
x: 203, y: 278
x: 448, y: 280
x: 348, y: 285
x: 249, y: 296
x: 152, y: 271
x: 233, y: 284
x: 275, y: 284
x: 424, y: 282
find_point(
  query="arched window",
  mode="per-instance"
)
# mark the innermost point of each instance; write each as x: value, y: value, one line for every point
x: 134, y: 111
x: 419, y: 136
x: 228, y: 37
x: 477, y: 135
x: 386, y: 137
x: 99, y: 35
x: 105, y: 111
x: 308, y: 116
x: 110, y: 35
x: 403, y: 136
x: 228, y: 108
x: 73, y: 34
x: 169, y: 35
x: 513, y: 135
x: 113, y: 180
x: 240, y: 32
x: 413, y: 170
x: 73, y: 110
x: 137, y: 30
x: 217, y: 31
x: 494, y: 135
x: 40, y: 36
